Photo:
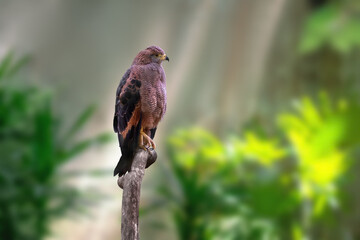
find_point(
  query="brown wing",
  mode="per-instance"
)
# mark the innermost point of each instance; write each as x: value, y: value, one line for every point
x: 117, y: 123
x: 127, y: 104
x: 127, y: 119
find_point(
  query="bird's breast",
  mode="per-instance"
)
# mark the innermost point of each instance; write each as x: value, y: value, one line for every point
x: 153, y: 100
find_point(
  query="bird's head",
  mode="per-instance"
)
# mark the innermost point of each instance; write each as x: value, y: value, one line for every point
x: 152, y: 54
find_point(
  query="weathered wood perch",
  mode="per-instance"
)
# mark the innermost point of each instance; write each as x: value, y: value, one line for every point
x: 131, y: 184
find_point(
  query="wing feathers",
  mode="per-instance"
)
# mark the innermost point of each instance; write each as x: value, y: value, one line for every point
x: 127, y: 98
x: 117, y: 100
x: 127, y: 119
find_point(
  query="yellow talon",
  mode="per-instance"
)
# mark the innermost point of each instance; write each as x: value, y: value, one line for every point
x: 145, y: 140
x: 143, y: 148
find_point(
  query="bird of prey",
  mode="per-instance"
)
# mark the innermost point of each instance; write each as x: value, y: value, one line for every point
x: 140, y: 104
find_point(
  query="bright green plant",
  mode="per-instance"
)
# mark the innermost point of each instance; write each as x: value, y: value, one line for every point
x: 316, y: 137
x: 323, y: 139
x: 252, y: 187
x: 219, y: 198
x: 32, y: 147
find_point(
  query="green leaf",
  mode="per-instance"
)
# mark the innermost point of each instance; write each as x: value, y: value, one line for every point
x: 347, y: 36
x: 80, y: 122
x: 18, y: 65
x: 79, y: 147
x: 5, y: 64
x: 265, y: 151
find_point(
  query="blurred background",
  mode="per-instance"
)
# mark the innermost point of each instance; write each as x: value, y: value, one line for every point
x: 261, y: 139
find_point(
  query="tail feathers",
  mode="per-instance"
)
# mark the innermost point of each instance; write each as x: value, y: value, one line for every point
x: 128, y: 147
x: 123, y: 166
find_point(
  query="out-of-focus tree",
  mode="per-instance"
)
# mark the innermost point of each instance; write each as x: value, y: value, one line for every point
x: 33, y: 146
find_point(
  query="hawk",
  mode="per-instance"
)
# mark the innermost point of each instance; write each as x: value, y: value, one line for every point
x: 140, y: 104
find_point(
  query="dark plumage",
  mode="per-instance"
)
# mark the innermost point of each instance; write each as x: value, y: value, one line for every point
x: 140, y: 104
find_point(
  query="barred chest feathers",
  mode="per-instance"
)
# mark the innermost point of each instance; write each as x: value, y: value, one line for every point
x: 153, y: 96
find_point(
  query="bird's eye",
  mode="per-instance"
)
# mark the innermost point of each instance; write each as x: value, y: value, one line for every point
x: 157, y: 55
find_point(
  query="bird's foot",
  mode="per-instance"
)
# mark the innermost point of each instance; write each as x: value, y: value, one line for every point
x: 143, y: 147
x: 145, y: 140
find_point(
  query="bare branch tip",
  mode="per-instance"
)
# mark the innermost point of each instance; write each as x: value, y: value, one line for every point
x: 120, y: 182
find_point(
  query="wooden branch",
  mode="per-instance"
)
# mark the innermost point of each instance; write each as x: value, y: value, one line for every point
x: 131, y: 184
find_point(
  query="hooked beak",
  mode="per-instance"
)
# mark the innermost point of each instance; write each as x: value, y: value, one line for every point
x: 164, y: 57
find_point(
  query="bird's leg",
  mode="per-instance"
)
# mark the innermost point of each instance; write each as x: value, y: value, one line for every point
x: 141, y: 140
x: 147, y: 139
x: 150, y: 141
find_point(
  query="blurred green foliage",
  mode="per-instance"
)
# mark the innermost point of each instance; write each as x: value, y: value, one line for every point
x: 32, y: 147
x: 261, y: 187
x: 336, y: 24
